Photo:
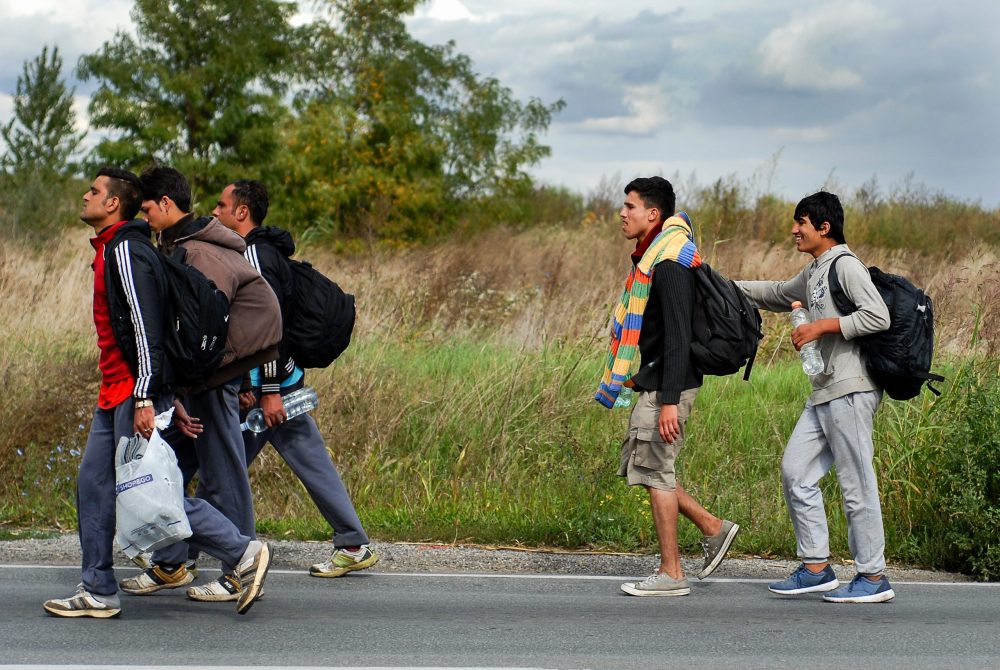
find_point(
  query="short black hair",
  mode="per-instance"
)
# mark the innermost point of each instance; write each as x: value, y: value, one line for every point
x: 253, y: 194
x: 160, y: 180
x: 125, y: 186
x: 820, y: 207
x: 655, y: 192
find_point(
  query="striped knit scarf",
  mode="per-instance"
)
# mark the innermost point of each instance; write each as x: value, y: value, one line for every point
x: 674, y: 243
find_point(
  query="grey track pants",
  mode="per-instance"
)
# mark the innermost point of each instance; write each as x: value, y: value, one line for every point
x: 95, y: 504
x: 221, y: 466
x: 837, y: 433
x: 299, y: 442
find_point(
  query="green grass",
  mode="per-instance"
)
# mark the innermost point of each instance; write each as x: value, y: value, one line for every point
x: 461, y: 440
x: 486, y: 443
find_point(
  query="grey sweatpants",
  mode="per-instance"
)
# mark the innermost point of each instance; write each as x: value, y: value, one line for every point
x: 837, y: 433
x: 95, y: 504
x: 299, y: 442
x: 221, y: 465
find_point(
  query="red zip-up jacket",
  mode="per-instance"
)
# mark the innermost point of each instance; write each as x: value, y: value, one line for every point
x: 117, y: 381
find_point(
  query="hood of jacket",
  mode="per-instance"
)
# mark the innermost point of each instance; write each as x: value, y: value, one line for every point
x: 278, y: 238
x: 204, y: 229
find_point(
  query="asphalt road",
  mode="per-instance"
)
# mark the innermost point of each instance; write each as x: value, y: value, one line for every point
x: 425, y: 620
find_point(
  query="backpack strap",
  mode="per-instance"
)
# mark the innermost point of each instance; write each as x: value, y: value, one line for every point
x: 844, y: 304
x: 749, y: 366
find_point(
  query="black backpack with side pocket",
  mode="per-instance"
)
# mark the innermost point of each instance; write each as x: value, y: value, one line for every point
x: 898, y: 359
x: 198, y: 312
x: 725, y: 329
x: 320, y: 319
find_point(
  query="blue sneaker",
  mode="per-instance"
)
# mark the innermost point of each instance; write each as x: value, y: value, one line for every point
x: 862, y: 590
x: 803, y: 580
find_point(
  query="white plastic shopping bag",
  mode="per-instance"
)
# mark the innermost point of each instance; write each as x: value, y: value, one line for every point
x: 149, y: 488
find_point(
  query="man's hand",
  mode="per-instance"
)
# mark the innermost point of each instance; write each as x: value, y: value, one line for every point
x: 143, y: 421
x: 190, y: 426
x: 670, y: 427
x: 274, y: 409
x: 808, y: 332
x: 247, y: 401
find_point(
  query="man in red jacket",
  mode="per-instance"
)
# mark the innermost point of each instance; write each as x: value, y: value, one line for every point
x: 129, y: 298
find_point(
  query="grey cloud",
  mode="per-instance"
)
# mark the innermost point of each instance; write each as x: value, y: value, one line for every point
x: 583, y: 60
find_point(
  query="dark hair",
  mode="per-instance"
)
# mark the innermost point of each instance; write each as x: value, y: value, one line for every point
x: 820, y: 207
x: 160, y: 180
x: 252, y: 194
x: 125, y: 186
x: 655, y: 192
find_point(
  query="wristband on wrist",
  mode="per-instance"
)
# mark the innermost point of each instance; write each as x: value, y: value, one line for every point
x: 143, y: 402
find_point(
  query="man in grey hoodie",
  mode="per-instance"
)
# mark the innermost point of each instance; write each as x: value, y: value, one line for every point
x: 209, y: 417
x: 835, y: 427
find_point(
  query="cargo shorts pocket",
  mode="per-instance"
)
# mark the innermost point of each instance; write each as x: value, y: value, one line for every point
x: 651, y: 451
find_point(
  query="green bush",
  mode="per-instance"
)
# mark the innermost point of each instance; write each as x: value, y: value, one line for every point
x: 970, y: 475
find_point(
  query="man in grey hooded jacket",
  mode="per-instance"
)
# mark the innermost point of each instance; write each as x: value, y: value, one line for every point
x: 252, y: 339
x: 835, y: 427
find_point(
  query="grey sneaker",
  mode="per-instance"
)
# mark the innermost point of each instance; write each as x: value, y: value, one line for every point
x: 658, y: 584
x: 715, y: 547
x: 251, y: 573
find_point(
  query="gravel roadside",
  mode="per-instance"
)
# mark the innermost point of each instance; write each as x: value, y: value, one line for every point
x: 446, y: 558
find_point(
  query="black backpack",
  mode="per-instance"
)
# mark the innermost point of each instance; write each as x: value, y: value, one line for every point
x: 320, y: 319
x: 898, y: 359
x: 198, y: 313
x: 725, y: 328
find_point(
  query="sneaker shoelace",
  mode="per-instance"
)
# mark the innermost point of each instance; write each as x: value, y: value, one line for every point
x: 802, y: 574
x: 649, y: 580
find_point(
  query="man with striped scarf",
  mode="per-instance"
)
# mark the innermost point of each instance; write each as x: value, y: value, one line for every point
x: 650, y: 351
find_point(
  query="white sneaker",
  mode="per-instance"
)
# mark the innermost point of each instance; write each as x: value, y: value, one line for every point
x: 251, y: 572
x: 342, y: 561
x: 658, y: 584
x: 155, y: 579
x: 223, y: 589
x: 84, y: 603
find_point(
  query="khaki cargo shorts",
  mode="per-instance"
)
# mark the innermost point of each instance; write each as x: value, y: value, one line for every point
x: 646, y: 459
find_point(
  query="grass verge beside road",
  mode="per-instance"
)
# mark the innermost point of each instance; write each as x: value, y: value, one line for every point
x: 471, y: 441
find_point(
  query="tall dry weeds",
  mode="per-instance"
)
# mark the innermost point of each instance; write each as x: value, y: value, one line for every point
x: 524, y: 291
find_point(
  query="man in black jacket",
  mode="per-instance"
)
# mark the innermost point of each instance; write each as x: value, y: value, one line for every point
x: 130, y: 292
x: 667, y: 384
x: 242, y: 207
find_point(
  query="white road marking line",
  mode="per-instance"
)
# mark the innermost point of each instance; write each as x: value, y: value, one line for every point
x: 490, y: 575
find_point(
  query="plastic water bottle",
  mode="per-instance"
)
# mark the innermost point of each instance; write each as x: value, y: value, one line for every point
x: 624, y: 398
x: 812, y: 359
x: 297, y: 402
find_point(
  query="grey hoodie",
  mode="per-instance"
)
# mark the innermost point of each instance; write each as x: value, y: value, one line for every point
x: 845, y: 371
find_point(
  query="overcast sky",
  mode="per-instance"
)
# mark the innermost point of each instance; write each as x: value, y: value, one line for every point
x: 781, y: 93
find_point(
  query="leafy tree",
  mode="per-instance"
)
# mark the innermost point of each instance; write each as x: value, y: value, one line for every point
x: 41, y: 139
x: 41, y: 136
x: 201, y: 89
x: 393, y: 136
